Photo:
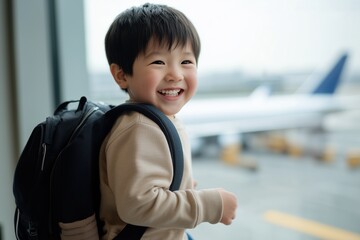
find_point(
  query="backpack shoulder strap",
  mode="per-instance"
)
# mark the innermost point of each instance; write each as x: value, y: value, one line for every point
x: 131, y: 231
x: 168, y: 129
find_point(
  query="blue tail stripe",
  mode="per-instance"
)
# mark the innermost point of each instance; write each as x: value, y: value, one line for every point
x: 329, y: 84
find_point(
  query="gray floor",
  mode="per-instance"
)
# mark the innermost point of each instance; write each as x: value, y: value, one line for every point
x: 327, y: 193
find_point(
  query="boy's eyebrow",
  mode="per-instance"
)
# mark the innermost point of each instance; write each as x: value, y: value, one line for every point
x: 149, y: 54
x: 189, y: 53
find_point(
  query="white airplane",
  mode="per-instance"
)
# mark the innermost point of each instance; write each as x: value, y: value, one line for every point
x: 263, y: 112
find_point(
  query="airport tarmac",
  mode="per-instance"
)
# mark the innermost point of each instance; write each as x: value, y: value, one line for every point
x: 287, y: 197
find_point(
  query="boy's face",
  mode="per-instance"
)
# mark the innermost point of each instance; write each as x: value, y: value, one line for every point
x: 164, y: 78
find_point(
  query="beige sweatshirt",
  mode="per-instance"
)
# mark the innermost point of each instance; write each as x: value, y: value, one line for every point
x: 135, y: 175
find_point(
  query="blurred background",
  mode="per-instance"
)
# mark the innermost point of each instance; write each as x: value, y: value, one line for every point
x: 292, y: 159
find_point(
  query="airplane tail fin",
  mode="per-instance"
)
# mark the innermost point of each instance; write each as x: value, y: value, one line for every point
x: 331, y: 80
x: 329, y: 83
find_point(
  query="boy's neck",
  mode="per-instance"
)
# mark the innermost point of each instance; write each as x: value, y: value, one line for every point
x: 133, y: 101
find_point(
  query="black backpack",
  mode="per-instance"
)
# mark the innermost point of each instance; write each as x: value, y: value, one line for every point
x: 57, y: 176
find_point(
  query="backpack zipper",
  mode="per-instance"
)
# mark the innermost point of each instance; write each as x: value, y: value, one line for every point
x: 17, y: 223
x: 88, y: 114
x: 43, y: 146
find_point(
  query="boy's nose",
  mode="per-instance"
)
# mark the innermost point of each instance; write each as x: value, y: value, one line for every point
x: 174, y: 75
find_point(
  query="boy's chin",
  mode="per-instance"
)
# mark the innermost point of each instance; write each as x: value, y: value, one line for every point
x: 170, y: 111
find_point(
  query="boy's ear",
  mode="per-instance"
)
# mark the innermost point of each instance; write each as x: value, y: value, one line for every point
x: 119, y: 76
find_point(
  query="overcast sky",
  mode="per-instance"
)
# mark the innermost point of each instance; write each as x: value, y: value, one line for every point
x: 272, y: 36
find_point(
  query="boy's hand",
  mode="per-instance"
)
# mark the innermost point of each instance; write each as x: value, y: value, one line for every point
x: 230, y: 205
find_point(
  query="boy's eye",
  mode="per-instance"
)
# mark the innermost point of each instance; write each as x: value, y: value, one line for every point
x: 186, y: 62
x: 158, y: 62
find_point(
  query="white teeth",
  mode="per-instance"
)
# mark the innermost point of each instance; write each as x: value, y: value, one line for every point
x: 172, y: 93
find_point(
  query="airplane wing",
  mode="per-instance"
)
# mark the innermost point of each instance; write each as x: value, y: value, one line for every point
x: 231, y: 115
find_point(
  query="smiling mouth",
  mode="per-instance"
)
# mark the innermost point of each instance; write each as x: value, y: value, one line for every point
x: 171, y: 93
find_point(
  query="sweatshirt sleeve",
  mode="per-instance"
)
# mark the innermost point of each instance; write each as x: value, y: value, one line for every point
x: 140, y: 172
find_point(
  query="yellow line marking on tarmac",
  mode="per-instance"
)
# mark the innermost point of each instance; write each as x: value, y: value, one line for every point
x: 310, y: 227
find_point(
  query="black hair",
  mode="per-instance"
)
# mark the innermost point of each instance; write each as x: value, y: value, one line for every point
x: 131, y: 31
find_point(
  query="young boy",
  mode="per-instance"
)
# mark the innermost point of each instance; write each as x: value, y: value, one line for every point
x: 153, y: 52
